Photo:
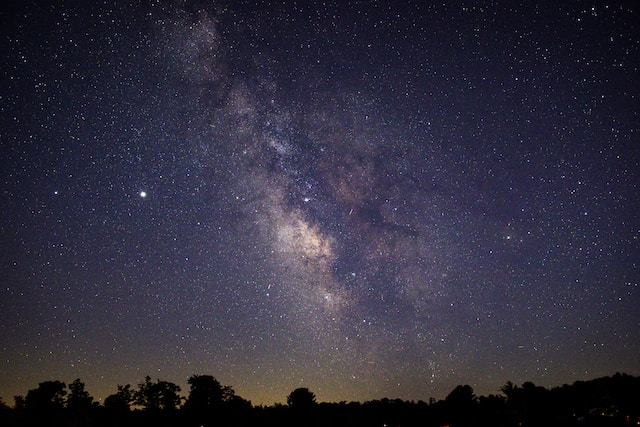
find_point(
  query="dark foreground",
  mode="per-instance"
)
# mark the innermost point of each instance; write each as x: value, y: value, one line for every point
x: 608, y: 401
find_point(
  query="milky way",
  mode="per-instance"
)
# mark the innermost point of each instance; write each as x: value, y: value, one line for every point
x: 369, y: 201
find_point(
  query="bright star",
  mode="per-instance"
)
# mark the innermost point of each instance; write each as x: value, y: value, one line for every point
x: 143, y: 194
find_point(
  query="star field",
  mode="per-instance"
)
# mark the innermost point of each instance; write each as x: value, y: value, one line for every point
x: 368, y: 199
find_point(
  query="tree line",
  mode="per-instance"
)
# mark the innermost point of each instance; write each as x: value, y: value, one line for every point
x: 608, y: 401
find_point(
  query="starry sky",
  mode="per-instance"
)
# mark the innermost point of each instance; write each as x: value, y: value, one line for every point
x: 367, y: 199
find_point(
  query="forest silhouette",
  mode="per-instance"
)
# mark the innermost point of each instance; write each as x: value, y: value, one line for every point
x: 607, y: 401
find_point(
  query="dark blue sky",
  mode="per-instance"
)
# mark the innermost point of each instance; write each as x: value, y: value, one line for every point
x: 368, y: 199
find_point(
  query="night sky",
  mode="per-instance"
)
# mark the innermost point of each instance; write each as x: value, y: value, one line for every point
x: 367, y: 199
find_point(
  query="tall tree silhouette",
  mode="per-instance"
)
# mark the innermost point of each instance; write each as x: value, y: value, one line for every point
x: 161, y: 395
x: 79, y: 405
x: 206, y: 393
x: 78, y: 398
x: 527, y: 404
x: 209, y: 402
x: 302, y: 406
x: 19, y: 403
x: 301, y: 399
x: 121, y: 400
x: 49, y: 396
x: 461, y: 405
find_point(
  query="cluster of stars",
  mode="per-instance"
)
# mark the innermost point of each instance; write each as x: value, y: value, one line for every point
x: 405, y: 196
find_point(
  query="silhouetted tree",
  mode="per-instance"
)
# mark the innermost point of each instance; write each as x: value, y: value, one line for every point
x: 121, y: 400
x: 161, y: 395
x: 235, y: 402
x: 19, y: 403
x: 302, y: 405
x: 79, y: 404
x: 509, y: 389
x: 462, y: 396
x: 492, y: 410
x: 48, y: 396
x: 529, y: 404
x: 514, y: 402
x: 301, y: 399
x: 206, y: 393
x: 43, y: 405
x: 78, y: 398
x: 118, y: 405
x: 461, y: 405
x: 606, y: 402
x: 211, y: 403
x: 146, y: 395
x: 170, y: 400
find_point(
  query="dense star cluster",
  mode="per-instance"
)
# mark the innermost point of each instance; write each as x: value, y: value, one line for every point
x: 367, y: 199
